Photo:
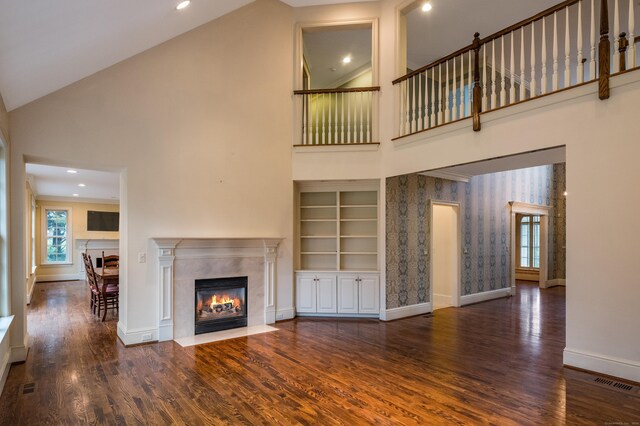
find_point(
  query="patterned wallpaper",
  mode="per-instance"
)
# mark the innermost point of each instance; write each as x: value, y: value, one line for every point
x: 485, y: 228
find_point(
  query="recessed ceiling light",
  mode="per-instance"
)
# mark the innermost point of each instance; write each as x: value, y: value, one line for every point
x: 346, y: 59
x: 183, y: 4
x: 73, y: 172
x: 565, y: 193
x: 81, y: 185
x: 76, y: 195
x: 427, y: 7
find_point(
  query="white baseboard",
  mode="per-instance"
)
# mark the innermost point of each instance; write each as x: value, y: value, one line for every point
x: 616, y: 367
x: 19, y: 353
x: 60, y: 277
x: 134, y: 337
x: 442, y: 301
x: 555, y: 282
x: 285, y: 314
x: 484, y: 296
x: 337, y: 316
x: 406, y: 311
x: 4, y: 370
x: 31, y: 285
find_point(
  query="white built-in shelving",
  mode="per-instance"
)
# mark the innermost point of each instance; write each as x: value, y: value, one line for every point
x: 339, y: 230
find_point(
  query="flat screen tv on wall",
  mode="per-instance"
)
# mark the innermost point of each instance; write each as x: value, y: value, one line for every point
x: 102, y: 221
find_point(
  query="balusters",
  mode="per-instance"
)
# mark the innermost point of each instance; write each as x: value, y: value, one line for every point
x: 408, y: 122
x: 485, y: 84
x: 631, y: 62
x: 335, y: 122
x: 369, y: 96
x: 440, y: 100
x: 342, y: 115
x: 512, y: 65
x: 329, y: 123
x: 554, y: 77
x: 420, y: 102
x: 580, y: 70
x: 461, y: 88
x: 447, y: 104
x: 470, y: 91
x: 543, y: 83
x: 414, y: 103
x: 362, y: 117
x: 432, y: 98
x: 522, y: 66
x: 503, y: 91
x: 622, y: 49
x: 454, y: 96
x: 567, y: 50
x: 592, y: 64
x: 533, y: 88
x: 494, y: 89
x: 317, y: 136
x: 349, y: 129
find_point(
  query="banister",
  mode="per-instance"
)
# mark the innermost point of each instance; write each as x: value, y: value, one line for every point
x: 530, y: 20
x: 347, y: 90
x: 490, y: 38
x: 433, y: 64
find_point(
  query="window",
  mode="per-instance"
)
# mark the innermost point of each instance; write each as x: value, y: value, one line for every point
x: 529, y: 246
x: 58, y: 242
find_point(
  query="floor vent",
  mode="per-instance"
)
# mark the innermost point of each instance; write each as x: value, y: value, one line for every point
x: 617, y: 385
x: 28, y: 388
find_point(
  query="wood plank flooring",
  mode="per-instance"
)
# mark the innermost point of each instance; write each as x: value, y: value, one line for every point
x: 498, y: 362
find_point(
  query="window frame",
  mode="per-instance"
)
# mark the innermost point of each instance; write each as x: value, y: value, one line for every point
x: 69, y: 235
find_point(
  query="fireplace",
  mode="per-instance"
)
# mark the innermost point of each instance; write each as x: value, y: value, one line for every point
x: 221, y: 304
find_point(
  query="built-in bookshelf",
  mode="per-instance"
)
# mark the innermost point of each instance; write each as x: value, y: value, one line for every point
x: 338, y: 230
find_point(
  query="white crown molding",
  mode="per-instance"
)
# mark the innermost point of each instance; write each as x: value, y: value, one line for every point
x: 458, y: 177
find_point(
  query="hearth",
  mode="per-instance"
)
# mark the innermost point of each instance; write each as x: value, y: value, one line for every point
x: 221, y: 304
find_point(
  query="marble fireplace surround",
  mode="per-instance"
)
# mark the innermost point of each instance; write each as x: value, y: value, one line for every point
x: 183, y: 260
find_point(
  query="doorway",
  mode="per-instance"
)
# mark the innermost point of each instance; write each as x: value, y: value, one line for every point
x: 445, y: 255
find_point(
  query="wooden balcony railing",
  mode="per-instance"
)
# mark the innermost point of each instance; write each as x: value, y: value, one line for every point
x: 553, y: 50
x: 338, y: 116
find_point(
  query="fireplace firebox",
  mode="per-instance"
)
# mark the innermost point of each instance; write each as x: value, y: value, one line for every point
x: 221, y: 304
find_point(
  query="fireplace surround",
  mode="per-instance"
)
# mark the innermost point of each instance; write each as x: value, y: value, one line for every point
x: 182, y: 261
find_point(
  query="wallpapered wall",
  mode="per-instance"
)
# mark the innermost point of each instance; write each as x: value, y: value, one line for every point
x: 485, y: 228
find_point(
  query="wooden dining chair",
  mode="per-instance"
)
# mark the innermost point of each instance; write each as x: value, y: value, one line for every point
x: 92, y: 281
x: 110, y: 261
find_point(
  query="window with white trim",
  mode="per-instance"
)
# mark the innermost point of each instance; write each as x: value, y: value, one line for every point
x: 58, y: 241
x: 529, y: 242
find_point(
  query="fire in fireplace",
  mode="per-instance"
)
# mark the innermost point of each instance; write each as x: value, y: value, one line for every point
x: 221, y: 304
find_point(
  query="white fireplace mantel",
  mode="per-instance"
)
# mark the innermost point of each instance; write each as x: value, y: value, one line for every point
x: 172, y: 249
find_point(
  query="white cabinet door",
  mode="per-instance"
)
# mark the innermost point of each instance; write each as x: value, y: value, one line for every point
x: 326, y: 290
x: 306, y: 293
x: 369, y: 294
x: 347, y: 294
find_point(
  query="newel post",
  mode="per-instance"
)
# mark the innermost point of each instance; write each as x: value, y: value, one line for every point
x: 604, y: 51
x: 477, y: 90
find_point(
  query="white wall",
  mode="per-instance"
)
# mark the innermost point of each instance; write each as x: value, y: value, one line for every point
x: 201, y: 130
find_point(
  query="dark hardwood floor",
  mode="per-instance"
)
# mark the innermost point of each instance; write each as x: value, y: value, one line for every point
x: 498, y: 362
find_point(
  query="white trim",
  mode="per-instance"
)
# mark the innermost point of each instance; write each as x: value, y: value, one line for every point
x: 616, y: 367
x: 134, y: 337
x: 19, y: 353
x: 58, y: 277
x: 555, y: 282
x: 468, y: 299
x: 544, y: 212
x: 31, y: 285
x: 443, y: 174
x: 455, y: 296
x: 313, y: 149
x: 4, y: 370
x: 405, y: 311
x: 43, y: 234
x: 77, y: 200
x: 334, y: 315
x: 285, y: 314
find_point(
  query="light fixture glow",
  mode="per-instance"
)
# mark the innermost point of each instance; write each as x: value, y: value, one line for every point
x: 73, y: 172
x: 427, y: 7
x: 81, y: 185
x: 565, y: 193
x: 183, y: 4
x: 76, y: 195
x: 346, y: 60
